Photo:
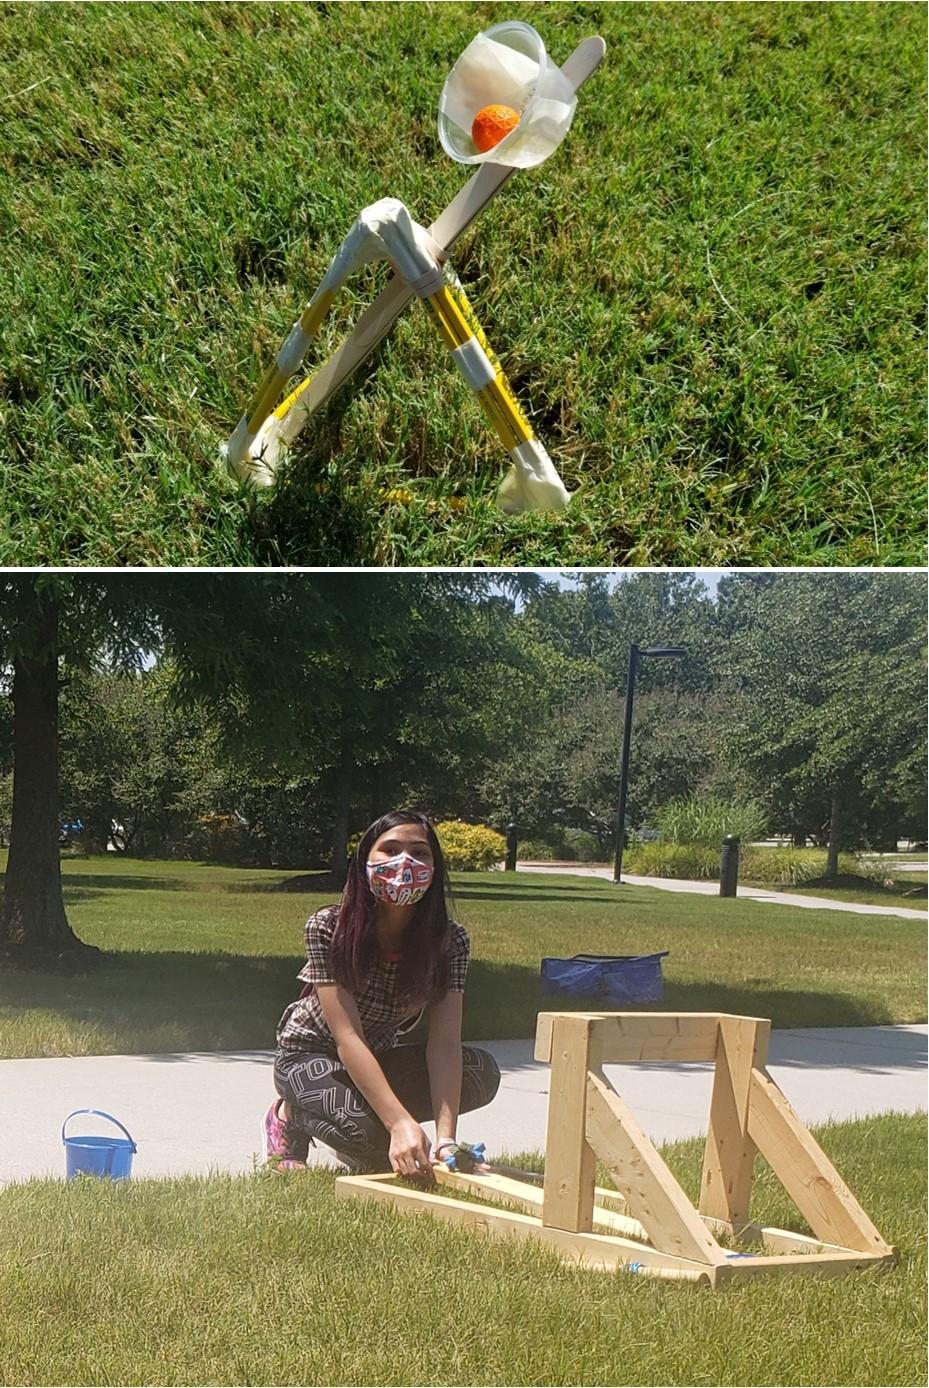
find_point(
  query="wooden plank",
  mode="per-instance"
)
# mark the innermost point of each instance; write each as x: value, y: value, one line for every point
x: 503, y: 1190
x: 570, y: 1163
x: 544, y: 1029
x: 772, y: 1239
x: 657, y: 1036
x: 806, y: 1173
x: 729, y: 1156
x: 784, y: 1241
x: 545, y: 1026
x: 815, y: 1264
x: 603, y: 1251
x: 652, y: 1194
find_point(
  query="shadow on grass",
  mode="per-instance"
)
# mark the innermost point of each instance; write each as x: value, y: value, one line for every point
x: 540, y: 893
x: 502, y: 1003
x: 315, y: 513
x: 70, y: 880
x: 157, y: 1002
x: 85, y: 886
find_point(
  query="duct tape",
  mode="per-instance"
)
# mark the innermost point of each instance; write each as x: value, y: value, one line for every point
x: 472, y: 362
x: 293, y: 350
x: 426, y: 284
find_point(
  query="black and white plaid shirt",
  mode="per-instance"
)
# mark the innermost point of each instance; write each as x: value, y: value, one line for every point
x: 385, y: 1015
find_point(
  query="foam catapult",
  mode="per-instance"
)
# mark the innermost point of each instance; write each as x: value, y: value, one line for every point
x: 648, y: 1225
x: 505, y: 105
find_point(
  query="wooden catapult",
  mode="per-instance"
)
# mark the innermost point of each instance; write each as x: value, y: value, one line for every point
x: 648, y: 1225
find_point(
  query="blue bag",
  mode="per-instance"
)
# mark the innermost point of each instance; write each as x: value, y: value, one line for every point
x: 621, y: 977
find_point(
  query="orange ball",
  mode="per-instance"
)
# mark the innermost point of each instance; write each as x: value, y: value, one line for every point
x: 491, y: 125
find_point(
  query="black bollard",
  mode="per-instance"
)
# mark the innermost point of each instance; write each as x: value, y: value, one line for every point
x: 510, y: 848
x: 729, y: 868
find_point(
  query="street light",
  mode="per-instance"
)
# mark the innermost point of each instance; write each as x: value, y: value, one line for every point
x: 634, y: 654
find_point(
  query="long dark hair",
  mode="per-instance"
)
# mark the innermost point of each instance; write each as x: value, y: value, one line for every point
x: 423, y: 968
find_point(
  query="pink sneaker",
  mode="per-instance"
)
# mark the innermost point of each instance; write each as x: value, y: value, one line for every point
x: 284, y: 1145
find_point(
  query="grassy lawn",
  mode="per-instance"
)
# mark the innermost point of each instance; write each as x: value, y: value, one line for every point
x: 877, y: 897
x: 205, y: 958
x: 262, y: 1280
x: 711, y: 301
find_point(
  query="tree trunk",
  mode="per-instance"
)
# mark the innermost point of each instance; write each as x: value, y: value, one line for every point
x: 832, y: 852
x: 33, y: 915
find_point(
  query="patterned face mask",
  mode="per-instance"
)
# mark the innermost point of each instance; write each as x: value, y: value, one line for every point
x: 401, y: 880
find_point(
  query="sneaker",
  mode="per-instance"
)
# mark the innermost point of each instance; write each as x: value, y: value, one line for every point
x: 284, y: 1144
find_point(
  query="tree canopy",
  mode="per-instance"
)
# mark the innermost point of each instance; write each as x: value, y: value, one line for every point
x: 269, y: 717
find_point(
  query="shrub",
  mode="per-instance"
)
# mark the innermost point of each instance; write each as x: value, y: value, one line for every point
x: 536, y: 851
x: 763, y: 867
x: 582, y: 846
x: 787, y: 866
x: 220, y: 838
x: 470, y: 847
x: 693, y: 861
x: 707, y: 819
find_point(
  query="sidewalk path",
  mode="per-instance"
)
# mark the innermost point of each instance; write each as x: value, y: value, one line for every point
x: 201, y: 1112
x: 675, y: 884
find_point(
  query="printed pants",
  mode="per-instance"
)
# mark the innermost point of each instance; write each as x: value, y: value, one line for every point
x: 325, y: 1104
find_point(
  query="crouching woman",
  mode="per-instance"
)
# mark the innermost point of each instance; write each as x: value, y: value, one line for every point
x: 387, y: 953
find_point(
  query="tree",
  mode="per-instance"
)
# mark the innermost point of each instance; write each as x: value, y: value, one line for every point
x: 45, y: 619
x: 827, y: 674
x: 320, y: 670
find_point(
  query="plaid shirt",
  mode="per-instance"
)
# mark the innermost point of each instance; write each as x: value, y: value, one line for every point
x: 385, y: 1015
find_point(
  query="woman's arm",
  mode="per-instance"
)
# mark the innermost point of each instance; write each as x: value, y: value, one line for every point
x: 443, y: 1061
x: 409, y: 1146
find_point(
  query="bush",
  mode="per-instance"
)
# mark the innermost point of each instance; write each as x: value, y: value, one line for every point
x: 690, y: 861
x: 707, y: 819
x: 536, y: 851
x: 470, y: 847
x: 582, y: 846
x: 220, y: 838
x: 787, y: 866
x: 763, y: 867
x: 565, y: 845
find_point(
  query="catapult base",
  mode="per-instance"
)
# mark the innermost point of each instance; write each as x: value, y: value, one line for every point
x: 648, y: 1225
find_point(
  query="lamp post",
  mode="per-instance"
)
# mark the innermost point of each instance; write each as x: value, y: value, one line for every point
x: 635, y: 654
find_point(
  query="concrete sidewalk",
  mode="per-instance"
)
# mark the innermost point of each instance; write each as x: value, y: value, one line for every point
x: 196, y: 1113
x: 675, y: 884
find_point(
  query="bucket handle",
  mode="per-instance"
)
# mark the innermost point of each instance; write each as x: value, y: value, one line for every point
x: 100, y: 1114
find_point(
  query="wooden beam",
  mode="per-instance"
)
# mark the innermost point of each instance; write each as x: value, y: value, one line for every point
x: 772, y: 1239
x: 604, y: 1251
x: 652, y: 1194
x: 545, y: 1027
x: 817, y: 1264
x: 656, y: 1036
x: 504, y: 1191
x: 729, y: 1156
x: 570, y: 1163
x: 806, y: 1173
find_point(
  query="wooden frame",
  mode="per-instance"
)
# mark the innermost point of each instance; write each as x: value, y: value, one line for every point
x: 648, y: 1225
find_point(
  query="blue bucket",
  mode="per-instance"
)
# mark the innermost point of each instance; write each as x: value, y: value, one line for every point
x: 98, y: 1156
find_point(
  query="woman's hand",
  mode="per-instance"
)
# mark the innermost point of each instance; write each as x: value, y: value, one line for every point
x: 409, y: 1149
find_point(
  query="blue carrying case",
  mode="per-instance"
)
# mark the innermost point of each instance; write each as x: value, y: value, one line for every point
x: 620, y: 977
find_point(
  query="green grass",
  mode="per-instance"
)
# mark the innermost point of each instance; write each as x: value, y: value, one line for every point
x: 262, y: 1280
x: 711, y: 300
x: 205, y: 958
x: 876, y: 897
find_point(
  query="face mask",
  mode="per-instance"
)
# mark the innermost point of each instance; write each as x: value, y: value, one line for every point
x: 401, y: 880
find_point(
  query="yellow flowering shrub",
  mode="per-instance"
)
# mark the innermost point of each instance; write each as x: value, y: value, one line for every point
x: 470, y: 847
